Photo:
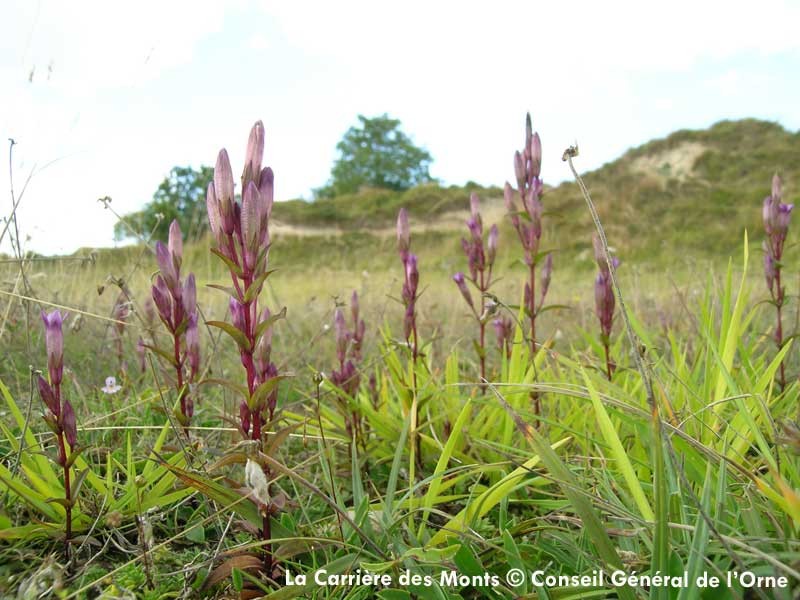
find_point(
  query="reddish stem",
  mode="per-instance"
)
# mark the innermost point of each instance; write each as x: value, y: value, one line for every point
x: 67, y: 494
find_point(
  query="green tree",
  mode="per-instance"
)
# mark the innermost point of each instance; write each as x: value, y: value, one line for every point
x: 376, y: 153
x: 182, y: 196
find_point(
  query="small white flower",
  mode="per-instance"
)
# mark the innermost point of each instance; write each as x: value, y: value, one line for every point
x: 111, y: 386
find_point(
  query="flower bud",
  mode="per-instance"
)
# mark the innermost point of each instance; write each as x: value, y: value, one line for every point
x: 223, y: 188
x: 604, y: 302
x: 214, y: 216
x: 175, y: 243
x: 475, y: 207
x: 251, y: 223
x: 190, y: 295
x: 254, y: 155
x: 263, y: 350
x: 547, y: 273
x: 54, y: 343
x: 237, y: 315
x: 412, y: 274
x: 519, y: 170
x: 783, y: 216
x: 535, y: 152
x: 163, y: 302
x: 244, y: 417
x: 266, y: 189
x: 48, y: 395
x: 68, y: 424
x: 462, y: 287
x: 168, y: 271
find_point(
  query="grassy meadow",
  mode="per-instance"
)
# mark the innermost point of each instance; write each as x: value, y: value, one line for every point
x: 447, y: 484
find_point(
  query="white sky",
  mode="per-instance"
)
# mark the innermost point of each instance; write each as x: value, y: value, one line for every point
x: 103, y: 98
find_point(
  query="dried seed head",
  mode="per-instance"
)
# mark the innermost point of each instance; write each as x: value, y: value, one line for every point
x: 257, y: 482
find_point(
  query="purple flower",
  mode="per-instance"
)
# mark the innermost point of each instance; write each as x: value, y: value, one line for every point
x: 214, y: 216
x: 69, y: 425
x: 48, y: 396
x: 175, y: 243
x: 263, y: 350
x: 244, y: 418
x: 237, y: 315
x: 169, y: 272
x: 547, y: 273
x: 251, y: 223
x: 190, y: 295
x: 266, y: 190
x: 462, y: 287
x: 535, y: 154
x: 54, y: 342
x: 504, y: 331
x: 254, y: 155
x: 604, y: 302
x: 163, y: 301
x: 519, y: 170
x: 223, y: 190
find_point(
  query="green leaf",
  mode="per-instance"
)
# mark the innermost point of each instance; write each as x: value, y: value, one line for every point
x: 238, y: 337
x: 168, y: 356
x: 618, y: 451
x: 224, y: 288
x: 255, y: 286
x: 236, y: 578
x: 230, y: 264
x: 263, y: 390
